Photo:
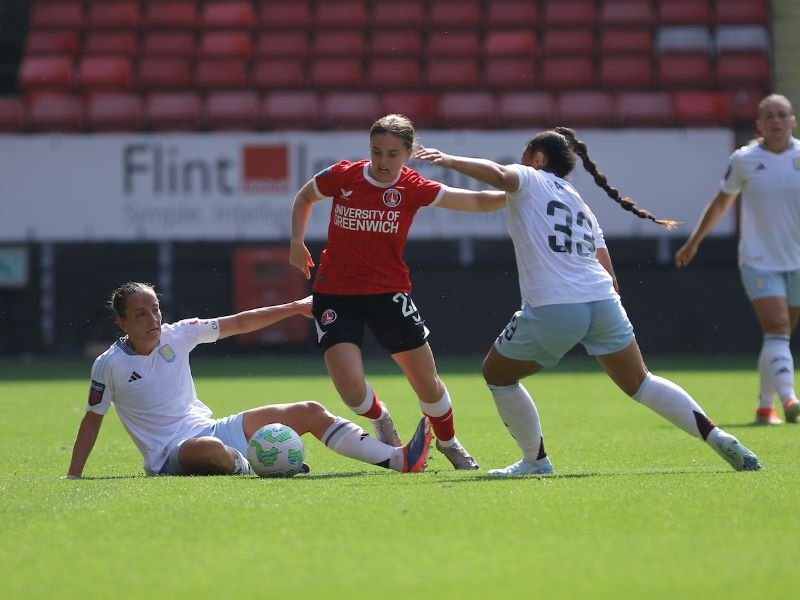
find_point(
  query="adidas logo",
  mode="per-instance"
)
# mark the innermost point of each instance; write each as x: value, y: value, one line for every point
x: 134, y: 377
x: 761, y: 167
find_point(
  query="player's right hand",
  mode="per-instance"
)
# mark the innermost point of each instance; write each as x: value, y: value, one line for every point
x: 300, y: 258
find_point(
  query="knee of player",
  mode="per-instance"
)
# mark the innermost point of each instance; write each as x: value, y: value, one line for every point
x: 314, y: 409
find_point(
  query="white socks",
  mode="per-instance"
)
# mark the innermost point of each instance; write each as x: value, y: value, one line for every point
x: 520, y: 417
x: 674, y: 404
x: 776, y: 367
x: 348, y: 439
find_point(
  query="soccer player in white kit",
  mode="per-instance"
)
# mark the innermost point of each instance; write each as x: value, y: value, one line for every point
x: 569, y: 296
x: 766, y: 175
x: 147, y: 377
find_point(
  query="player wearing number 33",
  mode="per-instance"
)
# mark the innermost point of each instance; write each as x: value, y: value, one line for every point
x: 363, y: 280
x: 569, y: 297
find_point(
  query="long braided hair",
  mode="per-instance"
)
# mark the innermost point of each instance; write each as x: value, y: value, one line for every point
x: 561, y: 147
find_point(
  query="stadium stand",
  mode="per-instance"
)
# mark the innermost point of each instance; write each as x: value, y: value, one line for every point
x: 192, y: 56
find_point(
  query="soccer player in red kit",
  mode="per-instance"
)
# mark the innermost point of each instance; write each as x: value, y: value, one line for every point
x: 363, y: 280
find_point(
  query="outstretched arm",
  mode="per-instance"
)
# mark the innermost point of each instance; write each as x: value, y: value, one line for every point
x: 258, y: 318
x: 84, y: 442
x: 471, y: 201
x: 484, y: 170
x: 711, y: 215
x: 299, y: 256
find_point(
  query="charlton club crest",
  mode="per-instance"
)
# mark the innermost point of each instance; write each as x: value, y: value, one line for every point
x: 328, y: 317
x: 391, y: 198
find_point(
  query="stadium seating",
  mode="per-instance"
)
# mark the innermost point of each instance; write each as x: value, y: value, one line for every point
x: 12, y: 115
x: 53, y: 111
x: 114, y: 111
x: 233, y: 111
x: 580, y: 109
x: 644, y: 109
x: 173, y: 111
x: 349, y: 110
x: 291, y: 110
x: 471, y: 110
x: 409, y: 54
x: 526, y: 109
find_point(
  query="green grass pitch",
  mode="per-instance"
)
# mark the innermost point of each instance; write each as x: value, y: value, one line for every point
x: 636, y: 509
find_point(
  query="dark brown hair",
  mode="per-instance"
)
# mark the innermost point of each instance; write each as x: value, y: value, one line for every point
x: 118, y: 302
x: 398, y: 125
x: 562, y: 148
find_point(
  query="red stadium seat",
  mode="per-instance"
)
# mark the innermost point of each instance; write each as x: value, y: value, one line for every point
x: 626, y: 71
x: 464, y: 44
x: 291, y: 110
x: 527, y: 109
x: 341, y: 13
x: 171, y: 14
x: 350, y: 43
x: 221, y: 74
x: 283, y: 44
x: 393, y: 14
x: 505, y: 73
x: 394, y: 73
x: 279, y: 73
x: 627, y: 13
x: 169, y: 43
x: 512, y: 13
x: 455, y: 14
x: 285, y: 14
x: 616, y: 40
x: 420, y: 107
x: 226, y: 44
x: 511, y: 43
x: 228, y: 15
x: 451, y: 73
x: 333, y: 73
x: 12, y: 115
x: 696, y: 108
x: 401, y: 43
x: 644, y: 109
x: 52, y: 42
x: 233, y: 111
x: 55, y: 112
x: 105, y: 73
x: 174, y: 111
x: 51, y: 73
x: 472, y: 110
x: 684, y: 12
x: 114, y: 111
x: 582, y: 109
x: 570, y: 13
x: 571, y: 41
x: 57, y: 15
x: 349, y: 110
x: 744, y: 104
x: 119, y: 43
x: 743, y: 69
x: 747, y: 12
x: 119, y: 14
x: 163, y: 73
x: 685, y: 69
x: 568, y: 72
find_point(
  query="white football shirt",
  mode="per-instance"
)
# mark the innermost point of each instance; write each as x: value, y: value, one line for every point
x: 555, y: 236
x: 769, y: 183
x: 154, y: 395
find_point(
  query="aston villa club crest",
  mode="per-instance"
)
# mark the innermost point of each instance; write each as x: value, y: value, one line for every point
x: 167, y: 353
x: 328, y: 317
x: 391, y: 198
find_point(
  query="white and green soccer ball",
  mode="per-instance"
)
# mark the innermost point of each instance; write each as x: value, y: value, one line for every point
x: 276, y: 450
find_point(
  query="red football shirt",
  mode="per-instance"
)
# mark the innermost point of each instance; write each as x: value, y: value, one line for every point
x: 369, y: 228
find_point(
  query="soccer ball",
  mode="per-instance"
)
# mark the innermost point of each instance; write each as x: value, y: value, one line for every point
x: 276, y: 450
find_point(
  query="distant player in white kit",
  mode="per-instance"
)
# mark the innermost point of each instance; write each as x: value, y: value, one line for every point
x: 147, y: 377
x: 766, y: 173
x: 570, y: 297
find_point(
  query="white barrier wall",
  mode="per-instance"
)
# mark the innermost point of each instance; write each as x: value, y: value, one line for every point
x: 240, y: 186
